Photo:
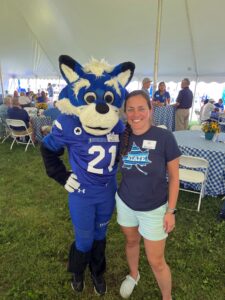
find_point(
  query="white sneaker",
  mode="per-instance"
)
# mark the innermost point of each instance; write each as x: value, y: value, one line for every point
x: 128, y: 286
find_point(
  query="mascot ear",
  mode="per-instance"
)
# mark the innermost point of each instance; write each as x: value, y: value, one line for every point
x: 67, y: 67
x: 124, y: 72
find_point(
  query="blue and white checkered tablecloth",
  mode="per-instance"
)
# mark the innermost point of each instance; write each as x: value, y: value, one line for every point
x: 193, y: 143
x: 222, y: 120
x: 37, y: 123
x: 164, y: 115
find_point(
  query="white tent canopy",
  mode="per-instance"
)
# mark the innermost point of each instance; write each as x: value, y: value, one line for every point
x: 35, y: 32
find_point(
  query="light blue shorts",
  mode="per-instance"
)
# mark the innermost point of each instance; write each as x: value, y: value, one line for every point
x: 149, y: 223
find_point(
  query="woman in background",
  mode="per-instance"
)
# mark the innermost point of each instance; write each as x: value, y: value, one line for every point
x: 161, y: 97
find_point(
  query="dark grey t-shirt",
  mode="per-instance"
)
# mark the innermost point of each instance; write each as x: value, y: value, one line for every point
x: 144, y: 184
x: 185, y: 98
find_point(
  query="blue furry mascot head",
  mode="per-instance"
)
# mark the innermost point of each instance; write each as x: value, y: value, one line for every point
x: 94, y: 92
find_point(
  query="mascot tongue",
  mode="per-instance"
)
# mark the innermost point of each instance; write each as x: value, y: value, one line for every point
x: 94, y: 92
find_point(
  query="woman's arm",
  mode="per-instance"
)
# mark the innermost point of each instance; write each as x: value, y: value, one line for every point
x: 167, y: 98
x: 173, y: 176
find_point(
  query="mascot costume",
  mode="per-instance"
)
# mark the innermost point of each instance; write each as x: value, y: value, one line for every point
x: 89, y: 127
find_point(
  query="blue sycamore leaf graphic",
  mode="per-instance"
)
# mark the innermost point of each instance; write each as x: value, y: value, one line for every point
x: 136, y: 158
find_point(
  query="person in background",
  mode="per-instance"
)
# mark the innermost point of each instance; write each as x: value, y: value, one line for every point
x: 3, y: 114
x: 52, y: 112
x: 38, y: 93
x: 145, y: 202
x: 183, y: 105
x: 207, y: 109
x: 4, y: 107
x: 24, y: 101
x: 50, y: 91
x: 146, y: 83
x: 18, y: 113
x: 219, y: 105
x: 215, y: 114
x: 42, y: 98
x: 15, y: 94
x: 161, y: 97
x: 201, y: 109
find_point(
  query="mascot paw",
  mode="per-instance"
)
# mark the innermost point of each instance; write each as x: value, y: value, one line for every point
x: 72, y: 184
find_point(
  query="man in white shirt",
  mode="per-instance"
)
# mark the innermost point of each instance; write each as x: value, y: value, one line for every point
x: 206, y: 110
x: 24, y: 100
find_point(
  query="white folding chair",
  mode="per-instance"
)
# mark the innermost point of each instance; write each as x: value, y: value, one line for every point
x: 162, y: 126
x: 194, y: 170
x: 20, y: 134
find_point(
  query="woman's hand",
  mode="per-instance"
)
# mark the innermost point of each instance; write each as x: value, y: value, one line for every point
x: 169, y: 222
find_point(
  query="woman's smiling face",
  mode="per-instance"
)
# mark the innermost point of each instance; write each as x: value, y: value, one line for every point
x: 138, y: 114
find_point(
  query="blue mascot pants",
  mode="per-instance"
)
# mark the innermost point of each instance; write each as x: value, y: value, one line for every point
x: 91, y: 210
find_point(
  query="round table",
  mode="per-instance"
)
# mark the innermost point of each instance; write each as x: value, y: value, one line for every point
x: 193, y: 143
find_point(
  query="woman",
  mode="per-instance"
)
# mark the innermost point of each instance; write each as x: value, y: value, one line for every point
x: 161, y: 97
x: 42, y: 98
x: 148, y: 153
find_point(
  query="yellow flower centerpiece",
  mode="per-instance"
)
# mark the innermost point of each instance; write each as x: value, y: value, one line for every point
x: 42, y: 105
x: 210, y: 128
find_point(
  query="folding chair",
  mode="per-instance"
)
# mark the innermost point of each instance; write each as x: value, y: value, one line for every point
x: 6, y: 130
x: 20, y: 134
x: 196, y: 173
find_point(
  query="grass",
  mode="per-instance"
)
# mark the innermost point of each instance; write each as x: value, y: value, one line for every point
x: 36, y: 232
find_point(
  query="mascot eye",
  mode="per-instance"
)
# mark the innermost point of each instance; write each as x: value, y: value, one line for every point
x: 90, y: 97
x: 109, y: 97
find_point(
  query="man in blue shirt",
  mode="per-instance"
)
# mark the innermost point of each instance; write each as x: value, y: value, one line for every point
x: 50, y: 91
x: 183, y: 105
x: 219, y: 105
x: 18, y: 113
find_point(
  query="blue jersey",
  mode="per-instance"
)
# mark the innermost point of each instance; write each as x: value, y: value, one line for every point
x: 92, y: 158
x: 161, y: 98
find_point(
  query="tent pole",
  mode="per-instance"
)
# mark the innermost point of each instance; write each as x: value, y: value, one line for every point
x: 14, y: 84
x: 157, y: 44
x: 35, y: 84
x: 3, y: 96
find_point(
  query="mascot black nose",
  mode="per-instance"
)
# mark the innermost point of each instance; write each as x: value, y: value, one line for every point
x: 102, y: 108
